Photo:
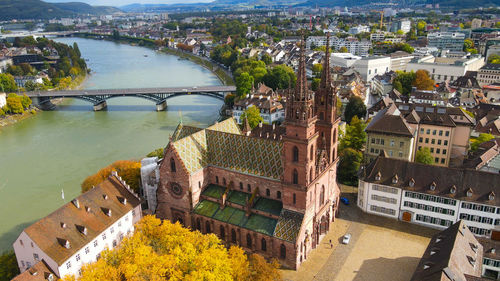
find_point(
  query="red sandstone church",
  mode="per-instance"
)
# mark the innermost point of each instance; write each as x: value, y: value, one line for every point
x: 273, y: 190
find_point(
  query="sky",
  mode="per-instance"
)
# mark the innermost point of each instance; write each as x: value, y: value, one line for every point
x: 118, y: 3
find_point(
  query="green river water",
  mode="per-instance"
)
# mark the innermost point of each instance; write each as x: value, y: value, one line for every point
x: 57, y: 149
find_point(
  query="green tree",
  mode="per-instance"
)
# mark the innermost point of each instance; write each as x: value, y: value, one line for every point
x: 400, y: 32
x: 350, y: 161
x: 317, y: 69
x: 266, y: 58
x: 406, y: 79
x: 258, y: 74
x: 157, y: 153
x: 355, y: 107
x: 397, y: 86
x: 8, y: 266
x: 280, y: 77
x: 355, y: 135
x: 495, y: 59
x: 343, y: 49
x: 14, y: 104
x: 424, y: 156
x: 315, y: 83
x: 476, y: 142
x: 25, y: 101
x: 116, y: 35
x: 229, y: 100
x: 30, y: 86
x: 77, y: 49
x: 7, y: 83
x: 244, y: 84
x: 2, y: 113
x: 252, y: 114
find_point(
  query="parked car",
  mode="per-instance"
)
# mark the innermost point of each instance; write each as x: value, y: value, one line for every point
x: 344, y: 200
x: 346, y: 239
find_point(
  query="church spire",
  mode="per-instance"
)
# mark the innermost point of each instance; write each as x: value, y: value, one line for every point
x: 301, y: 85
x: 326, y: 80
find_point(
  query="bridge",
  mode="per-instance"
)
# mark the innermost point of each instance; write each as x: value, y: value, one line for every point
x: 158, y: 95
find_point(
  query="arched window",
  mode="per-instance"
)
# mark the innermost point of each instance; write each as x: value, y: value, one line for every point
x: 322, y: 195
x: 312, y: 153
x: 222, y: 233
x: 233, y: 236
x: 241, y: 185
x: 249, y: 188
x: 295, y: 154
x: 278, y: 194
x: 268, y: 192
x: 263, y: 245
x: 335, y: 136
x: 207, y: 227
x: 172, y: 165
x: 311, y: 176
x: 224, y: 181
x: 249, y: 240
x: 282, y: 251
x: 198, y: 224
x: 295, y: 177
x: 217, y: 179
x: 294, y: 199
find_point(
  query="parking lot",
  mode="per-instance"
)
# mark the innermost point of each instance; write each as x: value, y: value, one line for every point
x: 380, y: 248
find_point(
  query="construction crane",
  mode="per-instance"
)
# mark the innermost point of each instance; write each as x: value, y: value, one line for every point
x: 381, y: 17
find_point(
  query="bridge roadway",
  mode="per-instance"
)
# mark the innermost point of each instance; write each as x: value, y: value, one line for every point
x: 158, y: 95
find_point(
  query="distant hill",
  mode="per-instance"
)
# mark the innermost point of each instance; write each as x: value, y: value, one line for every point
x: 137, y: 8
x: 36, y: 9
x: 459, y: 4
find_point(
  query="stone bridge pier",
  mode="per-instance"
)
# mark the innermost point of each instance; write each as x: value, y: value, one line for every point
x: 100, y: 105
x: 161, y: 106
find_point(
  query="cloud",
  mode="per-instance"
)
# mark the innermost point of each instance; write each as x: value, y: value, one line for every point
x: 118, y: 3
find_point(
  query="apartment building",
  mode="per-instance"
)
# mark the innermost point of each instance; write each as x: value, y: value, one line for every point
x: 266, y: 100
x: 488, y: 74
x: 370, y: 67
x: 400, y: 60
x: 390, y: 133
x: 453, y: 41
x: 79, y: 231
x: 431, y: 196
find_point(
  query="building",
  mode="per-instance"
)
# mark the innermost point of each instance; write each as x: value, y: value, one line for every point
x: 382, y: 84
x: 491, y: 258
x: 150, y: 177
x: 370, y: 67
x: 343, y: 59
x: 430, y: 196
x: 445, y: 69
x: 404, y: 25
x: 359, y: 29
x: 76, y: 233
x: 400, y: 60
x: 266, y: 100
x: 275, y: 196
x: 452, y: 254
x: 3, y: 99
x: 476, y: 23
x: 453, y: 41
x: 488, y: 74
x: 21, y: 80
x: 4, y: 63
x: 40, y: 271
x: 390, y: 133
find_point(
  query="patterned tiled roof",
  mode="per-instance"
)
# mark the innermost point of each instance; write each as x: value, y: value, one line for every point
x: 224, y: 146
x: 288, y: 225
x: 183, y: 131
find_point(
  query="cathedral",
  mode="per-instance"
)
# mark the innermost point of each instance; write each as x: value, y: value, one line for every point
x: 271, y: 190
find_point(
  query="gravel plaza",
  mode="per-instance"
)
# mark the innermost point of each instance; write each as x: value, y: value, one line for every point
x: 380, y: 249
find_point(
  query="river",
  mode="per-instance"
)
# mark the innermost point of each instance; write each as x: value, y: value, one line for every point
x: 56, y: 150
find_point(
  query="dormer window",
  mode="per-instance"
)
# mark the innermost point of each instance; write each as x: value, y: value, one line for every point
x: 76, y: 203
x: 411, y: 183
x: 453, y: 189
x: 472, y: 260
x: 63, y: 242
x: 106, y: 211
x: 105, y: 197
x: 395, y: 179
x: 432, y: 186
x: 63, y: 225
x: 469, y: 192
x: 122, y: 200
x: 473, y: 247
x: 87, y: 209
x: 378, y: 176
x: 82, y: 229
x: 491, y: 197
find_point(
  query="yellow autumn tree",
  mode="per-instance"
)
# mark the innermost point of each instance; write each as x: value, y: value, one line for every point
x: 130, y: 171
x: 166, y: 251
x: 423, y: 81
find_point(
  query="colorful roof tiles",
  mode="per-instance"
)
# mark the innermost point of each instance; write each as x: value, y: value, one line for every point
x: 288, y: 225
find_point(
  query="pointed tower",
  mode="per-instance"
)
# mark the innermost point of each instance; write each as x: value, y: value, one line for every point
x: 299, y: 143
x: 325, y: 107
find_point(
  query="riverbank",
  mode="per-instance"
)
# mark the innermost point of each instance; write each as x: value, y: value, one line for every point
x: 149, y: 43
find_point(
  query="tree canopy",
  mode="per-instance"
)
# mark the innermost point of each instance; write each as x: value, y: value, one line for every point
x: 350, y: 161
x: 130, y: 171
x: 355, y: 135
x: 8, y: 266
x: 355, y: 107
x: 406, y: 80
x: 475, y: 142
x: 7, y: 83
x: 280, y: 77
x: 423, y: 81
x: 252, y: 114
x: 161, y: 250
x: 424, y: 156
x: 244, y: 84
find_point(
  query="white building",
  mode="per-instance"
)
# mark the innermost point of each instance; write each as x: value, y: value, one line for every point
x: 150, y: 177
x: 429, y: 195
x: 488, y: 74
x: 4, y: 63
x: 3, y: 99
x: 79, y: 231
x: 21, y: 80
x: 370, y: 67
x: 359, y: 29
x: 445, y: 69
x: 343, y: 59
x: 400, y: 60
x: 266, y: 100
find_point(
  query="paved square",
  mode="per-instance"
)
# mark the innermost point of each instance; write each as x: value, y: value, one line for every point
x: 380, y: 249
